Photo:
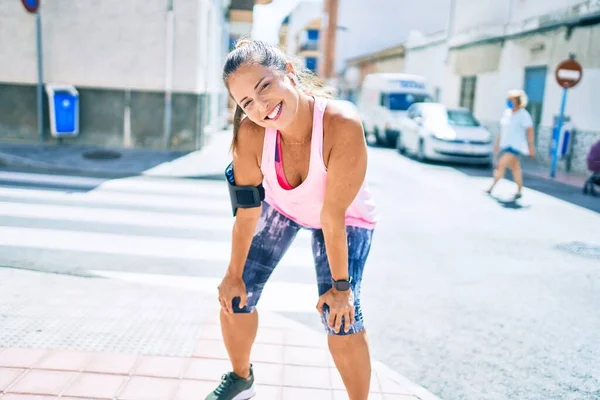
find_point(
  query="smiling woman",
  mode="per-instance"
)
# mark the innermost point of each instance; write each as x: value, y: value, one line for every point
x: 249, y: 55
x: 306, y: 152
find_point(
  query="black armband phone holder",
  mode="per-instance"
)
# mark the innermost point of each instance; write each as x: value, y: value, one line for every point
x: 243, y: 196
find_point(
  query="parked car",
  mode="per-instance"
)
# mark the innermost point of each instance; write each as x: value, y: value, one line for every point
x: 432, y: 131
x: 384, y: 101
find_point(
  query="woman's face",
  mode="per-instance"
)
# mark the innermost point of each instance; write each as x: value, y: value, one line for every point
x: 511, y: 102
x: 268, y: 96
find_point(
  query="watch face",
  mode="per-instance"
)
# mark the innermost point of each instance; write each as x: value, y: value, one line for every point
x: 342, y: 285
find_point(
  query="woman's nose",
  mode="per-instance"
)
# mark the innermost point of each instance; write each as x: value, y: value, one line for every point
x: 263, y: 105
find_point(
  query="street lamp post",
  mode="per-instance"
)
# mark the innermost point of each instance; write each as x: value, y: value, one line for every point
x: 170, y: 39
x: 33, y: 6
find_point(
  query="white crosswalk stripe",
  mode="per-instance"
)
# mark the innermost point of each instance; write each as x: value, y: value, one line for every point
x: 174, y: 220
x: 115, y: 216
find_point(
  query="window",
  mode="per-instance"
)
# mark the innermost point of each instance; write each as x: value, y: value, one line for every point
x: 402, y: 101
x: 311, y: 63
x: 468, y: 85
x: 232, y: 41
x: 461, y: 118
x: 437, y: 94
x: 310, y: 40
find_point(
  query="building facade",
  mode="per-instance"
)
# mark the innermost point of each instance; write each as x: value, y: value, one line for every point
x: 355, y: 28
x: 350, y: 80
x: 493, y: 47
x: 300, y: 32
x: 148, y: 74
x: 427, y: 56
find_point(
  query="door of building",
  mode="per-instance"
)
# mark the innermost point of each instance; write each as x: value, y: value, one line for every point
x: 535, y: 85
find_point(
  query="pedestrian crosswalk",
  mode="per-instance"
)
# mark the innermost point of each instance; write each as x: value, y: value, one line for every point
x: 152, y: 230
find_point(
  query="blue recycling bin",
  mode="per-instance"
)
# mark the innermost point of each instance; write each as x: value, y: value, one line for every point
x: 563, y: 139
x: 64, y: 110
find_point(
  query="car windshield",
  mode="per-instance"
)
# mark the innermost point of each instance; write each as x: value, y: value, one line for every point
x: 438, y: 114
x: 461, y: 118
x: 402, y: 101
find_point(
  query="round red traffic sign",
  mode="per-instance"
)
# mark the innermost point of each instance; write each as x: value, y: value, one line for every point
x: 31, y: 5
x: 568, y: 73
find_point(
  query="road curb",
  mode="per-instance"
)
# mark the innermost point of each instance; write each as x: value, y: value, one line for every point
x: 26, y: 164
x: 310, y: 334
x: 23, y: 163
x: 415, y: 389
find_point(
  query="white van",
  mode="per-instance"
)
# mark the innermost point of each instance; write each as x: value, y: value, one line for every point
x: 384, y: 101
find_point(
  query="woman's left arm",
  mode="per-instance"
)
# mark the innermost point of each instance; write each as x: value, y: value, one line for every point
x: 531, y: 141
x: 528, y: 122
x: 346, y: 170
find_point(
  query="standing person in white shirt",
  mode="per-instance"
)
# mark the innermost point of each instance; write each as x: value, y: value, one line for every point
x: 515, y: 140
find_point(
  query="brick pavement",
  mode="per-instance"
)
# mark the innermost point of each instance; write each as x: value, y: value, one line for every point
x: 291, y: 361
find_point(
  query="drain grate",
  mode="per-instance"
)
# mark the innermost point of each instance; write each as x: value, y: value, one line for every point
x: 102, y: 155
x: 581, y: 249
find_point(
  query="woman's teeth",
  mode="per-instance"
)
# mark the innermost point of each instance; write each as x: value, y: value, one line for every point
x: 274, y: 112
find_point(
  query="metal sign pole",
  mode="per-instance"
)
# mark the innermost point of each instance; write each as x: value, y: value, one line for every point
x: 33, y: 7
x: 568, y: 74
x: 40, y: 84
x: 170, y: 40
x: 556, y: 137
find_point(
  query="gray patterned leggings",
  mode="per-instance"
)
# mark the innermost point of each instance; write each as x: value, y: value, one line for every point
x: 274, y: 236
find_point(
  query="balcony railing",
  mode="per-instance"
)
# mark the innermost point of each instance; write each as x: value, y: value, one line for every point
x: 309, y: 44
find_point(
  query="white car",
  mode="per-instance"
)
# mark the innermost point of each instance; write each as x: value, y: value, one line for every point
x: 431, y: 131
x: 384, y: 101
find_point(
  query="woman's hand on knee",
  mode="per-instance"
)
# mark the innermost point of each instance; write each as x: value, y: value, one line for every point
x: 341, y: 305
x: 230, y: 288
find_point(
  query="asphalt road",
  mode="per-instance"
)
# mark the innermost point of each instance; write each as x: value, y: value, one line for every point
x: 471, y: 296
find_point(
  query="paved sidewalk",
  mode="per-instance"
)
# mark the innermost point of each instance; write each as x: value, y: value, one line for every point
x: 90, y: 160
x: 210, y: 161
x: 532, y: 168
x: 74, y: 338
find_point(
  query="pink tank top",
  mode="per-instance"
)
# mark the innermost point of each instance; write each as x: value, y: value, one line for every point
x: 303, y: 204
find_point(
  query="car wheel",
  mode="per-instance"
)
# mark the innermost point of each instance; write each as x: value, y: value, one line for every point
x: 399, y: 146
x: 378, y: 140
x: 392, y: 143
x: 421, y: 151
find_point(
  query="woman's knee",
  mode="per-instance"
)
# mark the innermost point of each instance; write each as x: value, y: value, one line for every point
x: 504, y: 162
x: 515, y: 165
x: 359, y: 245
x: 357, y: 326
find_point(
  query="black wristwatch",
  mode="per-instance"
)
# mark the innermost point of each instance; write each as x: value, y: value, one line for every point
x: 341, y: 285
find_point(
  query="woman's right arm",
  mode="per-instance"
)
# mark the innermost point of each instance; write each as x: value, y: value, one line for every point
x: 246, y: 172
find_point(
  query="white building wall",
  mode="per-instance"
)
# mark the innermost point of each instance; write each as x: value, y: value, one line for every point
x: 523, y: 10
x: 470, y: 14
x: 517, y: 55
x: 240, y: 28
x: 492, y: 87
x: 546, y: 49
x: 369, y: 26
x: 111, y: 43
x: 502, y: 67
x: 302, y: 15
x: 484, y: 15
x: 429, y: 61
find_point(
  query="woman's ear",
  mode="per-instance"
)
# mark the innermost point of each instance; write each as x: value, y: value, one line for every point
x: 293, y: 78
x: 289, y: 68
x: 291, y: 72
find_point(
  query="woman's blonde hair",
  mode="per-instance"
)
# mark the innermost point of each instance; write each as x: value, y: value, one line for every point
x: 519, y: 95
x: 259, y: 52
